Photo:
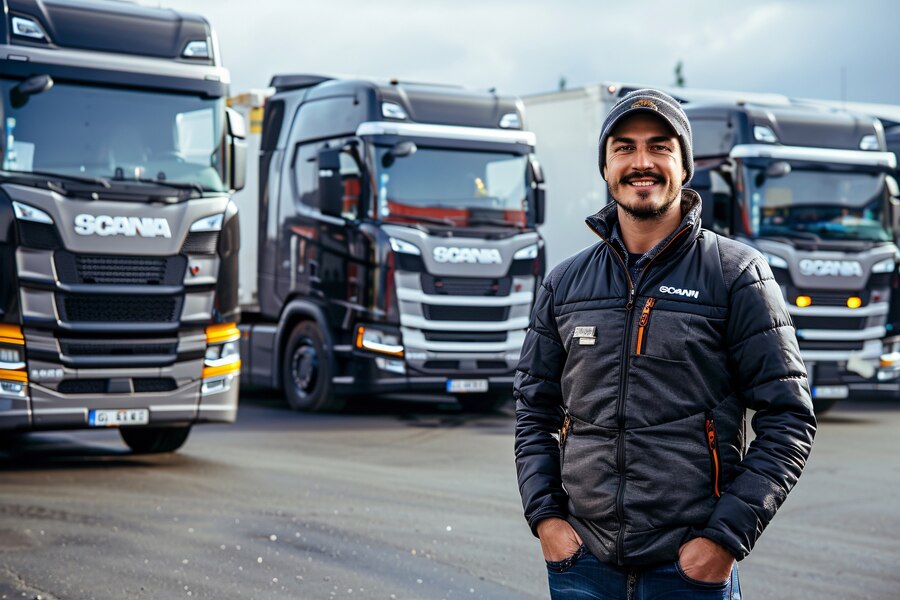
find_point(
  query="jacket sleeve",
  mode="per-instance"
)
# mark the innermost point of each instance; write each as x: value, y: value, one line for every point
x: 764, y: 358
x: 539, y: 414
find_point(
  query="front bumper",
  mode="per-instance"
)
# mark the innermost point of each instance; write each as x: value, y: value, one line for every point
x: 47, y: 409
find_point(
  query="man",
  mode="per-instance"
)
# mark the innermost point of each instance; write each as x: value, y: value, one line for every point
x: 643, y: 353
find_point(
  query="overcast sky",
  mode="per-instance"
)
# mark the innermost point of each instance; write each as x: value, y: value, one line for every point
x: 794, y: 47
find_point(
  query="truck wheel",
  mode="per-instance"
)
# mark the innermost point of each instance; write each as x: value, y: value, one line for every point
x: 153, y: 440
x: 306, y: 373
x: 483, y: 403
x: 823, y: 405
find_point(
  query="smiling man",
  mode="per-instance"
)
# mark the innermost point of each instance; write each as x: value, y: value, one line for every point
x: 643, y: 354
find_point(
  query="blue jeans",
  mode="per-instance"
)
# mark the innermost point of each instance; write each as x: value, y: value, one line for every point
x: 583, y: 577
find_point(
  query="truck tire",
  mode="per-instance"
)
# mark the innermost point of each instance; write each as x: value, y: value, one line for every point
x: 483, y: 403
x: 153, y: 440
x: 306, y: 372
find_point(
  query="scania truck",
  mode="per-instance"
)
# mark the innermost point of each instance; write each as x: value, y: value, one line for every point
x: 397, y: 250
x: 814, y: 190
x: 811, y: 187
x: 118, y: 238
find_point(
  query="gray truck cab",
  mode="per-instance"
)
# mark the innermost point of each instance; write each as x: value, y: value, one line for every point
x: 398, y: 251
x: 118, y: 237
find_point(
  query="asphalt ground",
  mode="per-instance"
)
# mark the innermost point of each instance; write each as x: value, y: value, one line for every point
x: 387, y: 500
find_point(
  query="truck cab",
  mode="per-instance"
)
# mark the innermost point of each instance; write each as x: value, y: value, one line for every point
x: 814, y: 190
x: 118, y: 237
x: 398, y: 251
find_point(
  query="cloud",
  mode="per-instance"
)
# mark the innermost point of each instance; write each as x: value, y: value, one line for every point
x: 794, y: 47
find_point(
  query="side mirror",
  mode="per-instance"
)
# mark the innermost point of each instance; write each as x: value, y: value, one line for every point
x: 779, y: 168
x: 331, y: 189
x: 237, y: 150
x: 36, y: 84
x: 540, y: 194
x: 399, y: 150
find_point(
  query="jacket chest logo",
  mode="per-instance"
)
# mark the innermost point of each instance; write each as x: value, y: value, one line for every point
x: 586, y: 336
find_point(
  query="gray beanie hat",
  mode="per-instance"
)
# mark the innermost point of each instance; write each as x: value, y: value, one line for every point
x: 662, y: 105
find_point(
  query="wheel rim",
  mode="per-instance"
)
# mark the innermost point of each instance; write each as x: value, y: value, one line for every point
x: 305, y: 368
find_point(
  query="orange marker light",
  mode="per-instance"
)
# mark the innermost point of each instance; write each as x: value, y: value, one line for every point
x: 803, y: 301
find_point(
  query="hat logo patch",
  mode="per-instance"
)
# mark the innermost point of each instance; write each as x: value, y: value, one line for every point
x: 643, y: 103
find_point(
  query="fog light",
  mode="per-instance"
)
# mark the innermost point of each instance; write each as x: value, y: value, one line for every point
x: 803, y: 301
x: 854, y: 302
x: 12, y: 388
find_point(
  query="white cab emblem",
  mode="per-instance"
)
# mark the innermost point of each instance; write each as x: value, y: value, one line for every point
x: 106, y: 225
x: 830, y: 268
x: 484, y: 256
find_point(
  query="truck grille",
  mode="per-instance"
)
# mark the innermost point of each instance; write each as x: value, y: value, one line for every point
x: 111, y: 348
x: 466, y: 286
x: 99, y: 386
x: 465, y: 336
x: 436, y: 312
x: 119, y: 270
x: 830, y: 345
x: 835, y: 323
x: 118, y: 308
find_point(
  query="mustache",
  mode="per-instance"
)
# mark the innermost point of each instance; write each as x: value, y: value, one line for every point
x: 642, y: 175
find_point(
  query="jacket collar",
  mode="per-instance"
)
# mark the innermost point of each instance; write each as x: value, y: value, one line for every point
x: 605, y: 224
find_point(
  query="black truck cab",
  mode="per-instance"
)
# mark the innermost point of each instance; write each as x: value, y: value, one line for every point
x: 813, y: 189
x: 398, y: 250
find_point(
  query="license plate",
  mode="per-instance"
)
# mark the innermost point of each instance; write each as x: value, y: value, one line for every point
x: 116, y: 417
x: 830, y: 391
x: 467, y: 386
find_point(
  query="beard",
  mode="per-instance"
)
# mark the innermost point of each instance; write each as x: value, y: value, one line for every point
x: 642, y: 211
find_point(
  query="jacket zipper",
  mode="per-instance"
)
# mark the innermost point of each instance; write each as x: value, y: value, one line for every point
x: 712, y: 442
x: 642, y: 324
x: 623, y: 386
x: 563, y: 435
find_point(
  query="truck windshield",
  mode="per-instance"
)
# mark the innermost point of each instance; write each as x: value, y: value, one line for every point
x: 818, y: 204
x: 457, y: 188
x: 115, y: 134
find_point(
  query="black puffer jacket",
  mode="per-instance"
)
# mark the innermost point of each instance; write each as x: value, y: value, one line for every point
x: 648, y: 386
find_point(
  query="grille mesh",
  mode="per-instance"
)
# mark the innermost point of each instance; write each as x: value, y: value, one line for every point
x: 119, y: 308
x: 437, y: 312
x: 835, y: 323
x: 121, y: 269
x: 201, y: 242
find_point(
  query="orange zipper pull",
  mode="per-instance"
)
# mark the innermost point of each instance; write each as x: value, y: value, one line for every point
x: 714, y: 451
x: 564, y: 431
x: 642, y: 323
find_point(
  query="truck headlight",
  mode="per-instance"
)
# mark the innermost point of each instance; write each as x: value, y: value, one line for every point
x: 13, y: 371
x: 375, y: 340
x: 774, y: 261
x: 885, y: 266
x: 222, y: 351
x: 527, y: 253
x: 403, y: 247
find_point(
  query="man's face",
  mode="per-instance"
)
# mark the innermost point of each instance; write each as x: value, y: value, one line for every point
x: 643, y: 166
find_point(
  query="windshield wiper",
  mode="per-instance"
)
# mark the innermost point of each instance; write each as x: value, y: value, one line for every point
x: 498, y: 222
x: 178, y: 185
x: 432, y: 220
x: 785, y: 235
x: 99, y: 181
